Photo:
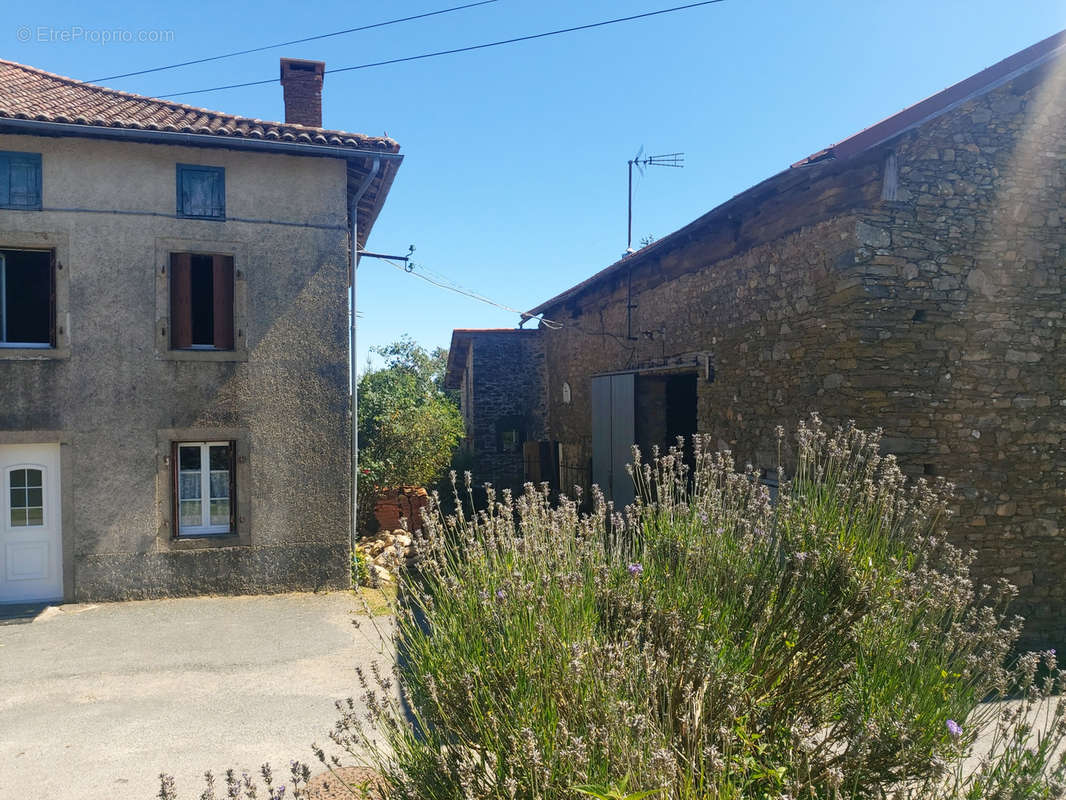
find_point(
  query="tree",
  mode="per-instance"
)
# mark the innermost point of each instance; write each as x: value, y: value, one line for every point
x: 408, y: 424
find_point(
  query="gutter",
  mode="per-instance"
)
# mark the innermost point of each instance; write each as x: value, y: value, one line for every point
x: 353, y: 260
x: 45, y: 128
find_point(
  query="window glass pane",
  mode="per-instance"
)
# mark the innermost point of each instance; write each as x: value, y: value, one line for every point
x: 27, y: 295
x: 219, y: 484
x: 18, y: 477
x: 190, y: 486
x: 202, y: 300
x: 34, y: 497
x: 20, y: 180
x: 191, y: 514
x: 35, y: 516
x: 33, y: 477
x: 220, y: 457
x: 201, y: 191
x: 220, y: 512
x: 18, y: 517
x: 18, y: 497
x: 189, y: 457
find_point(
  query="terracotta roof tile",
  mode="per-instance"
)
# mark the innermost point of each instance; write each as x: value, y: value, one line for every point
x: 30, y: 93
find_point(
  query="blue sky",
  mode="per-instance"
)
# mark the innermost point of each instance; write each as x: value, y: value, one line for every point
x: 514, y: 183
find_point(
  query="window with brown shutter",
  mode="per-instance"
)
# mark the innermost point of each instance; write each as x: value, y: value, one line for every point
x: 201, y: 301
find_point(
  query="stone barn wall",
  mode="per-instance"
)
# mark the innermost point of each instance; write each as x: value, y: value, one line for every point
x: 916, y: 287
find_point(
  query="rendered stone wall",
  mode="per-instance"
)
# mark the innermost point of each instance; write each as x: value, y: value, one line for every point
x: 937, y: 316
x: 113, y: 391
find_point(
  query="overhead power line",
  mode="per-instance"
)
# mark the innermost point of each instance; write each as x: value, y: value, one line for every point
x: 315, y: 38
x: 449, y: 285
x: 463, y: 49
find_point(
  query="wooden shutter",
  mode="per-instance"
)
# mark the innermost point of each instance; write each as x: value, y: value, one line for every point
x: 222, y: 275
x: 25, y: 180
x: 180, y: 300
x: 175, y: 485
x: 217, y: 183
x: 5, y: 180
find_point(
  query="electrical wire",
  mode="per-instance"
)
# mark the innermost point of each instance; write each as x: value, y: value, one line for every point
x: 530, y: 37
x: 443, y: 282
x: 451, y: 286
x: 236, y: 53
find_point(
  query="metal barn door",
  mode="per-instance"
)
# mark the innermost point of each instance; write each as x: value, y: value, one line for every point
x: 613, y: 435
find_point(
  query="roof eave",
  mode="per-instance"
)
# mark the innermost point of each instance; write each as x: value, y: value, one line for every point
x: 49, y: 128
x: 453, y: 372
x: 354, y: 156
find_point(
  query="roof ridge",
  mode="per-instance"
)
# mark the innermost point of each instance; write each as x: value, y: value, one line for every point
x: 121, y: 93
x: 944, y: 100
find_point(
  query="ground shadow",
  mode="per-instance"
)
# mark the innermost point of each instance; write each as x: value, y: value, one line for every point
x: 20, y: 613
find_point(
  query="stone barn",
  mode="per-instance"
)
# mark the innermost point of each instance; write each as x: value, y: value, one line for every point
x: 911, y: 277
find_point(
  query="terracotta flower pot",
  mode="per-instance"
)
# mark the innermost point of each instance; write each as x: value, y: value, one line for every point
x: 399, y: 504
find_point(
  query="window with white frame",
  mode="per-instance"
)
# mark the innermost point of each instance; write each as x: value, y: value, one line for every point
x: 27, y: 497
x: 204, y: 491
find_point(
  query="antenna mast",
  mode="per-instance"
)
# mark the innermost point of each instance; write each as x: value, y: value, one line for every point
x: 641, y: 161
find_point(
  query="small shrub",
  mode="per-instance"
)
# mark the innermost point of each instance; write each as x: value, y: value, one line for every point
x: 709, y: 643
x: 360, y: 567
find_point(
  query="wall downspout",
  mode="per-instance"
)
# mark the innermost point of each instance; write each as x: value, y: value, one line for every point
x: 353, y: 261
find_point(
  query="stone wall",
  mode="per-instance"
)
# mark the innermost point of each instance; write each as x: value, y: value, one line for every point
x: 936, y: 315
x: 971, y: 254
x: 505, y: 371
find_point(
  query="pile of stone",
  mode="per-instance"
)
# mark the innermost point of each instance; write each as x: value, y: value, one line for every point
x: 386, y: 551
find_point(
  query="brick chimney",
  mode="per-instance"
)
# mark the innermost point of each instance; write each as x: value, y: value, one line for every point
x: 302, y: 84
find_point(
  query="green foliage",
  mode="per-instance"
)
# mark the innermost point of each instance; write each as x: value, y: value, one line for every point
x: 360, y: 568
x: 408, y: 425
x: 713, y: 643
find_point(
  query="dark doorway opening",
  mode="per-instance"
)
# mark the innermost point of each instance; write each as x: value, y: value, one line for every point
x: 681, y: 407
x: 666, y: 407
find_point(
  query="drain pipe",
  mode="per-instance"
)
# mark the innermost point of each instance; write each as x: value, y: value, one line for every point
x: 353, y: 260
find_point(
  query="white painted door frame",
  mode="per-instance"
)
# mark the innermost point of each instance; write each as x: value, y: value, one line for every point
x: 31, y: 540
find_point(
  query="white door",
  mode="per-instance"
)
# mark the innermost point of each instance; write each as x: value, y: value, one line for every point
x: 31, y: 554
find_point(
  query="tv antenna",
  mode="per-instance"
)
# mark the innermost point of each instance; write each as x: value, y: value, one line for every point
x: 640, y: 161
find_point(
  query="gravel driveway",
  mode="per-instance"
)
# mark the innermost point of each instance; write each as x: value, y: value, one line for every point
x: 97, y: 700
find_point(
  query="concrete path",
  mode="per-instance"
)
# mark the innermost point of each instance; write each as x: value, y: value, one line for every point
x: 97, y: 700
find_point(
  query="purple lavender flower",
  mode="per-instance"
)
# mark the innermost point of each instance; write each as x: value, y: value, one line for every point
x: 635, y: 569
x: 954, y: 728
x: 501, y: 594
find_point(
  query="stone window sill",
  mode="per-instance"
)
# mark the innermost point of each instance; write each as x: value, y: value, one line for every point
x: 208, y: 542
x: 204, y: 355
x: 33, y: 353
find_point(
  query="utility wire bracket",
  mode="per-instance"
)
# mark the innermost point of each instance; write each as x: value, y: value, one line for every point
x: 409, y: 265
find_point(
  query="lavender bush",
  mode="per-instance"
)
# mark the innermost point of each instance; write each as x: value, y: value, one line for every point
x: 710, y: 643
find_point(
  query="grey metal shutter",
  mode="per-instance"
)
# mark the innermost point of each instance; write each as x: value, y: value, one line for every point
x: 623, y: 435
x: 613, y: 435
x: 601, y: 433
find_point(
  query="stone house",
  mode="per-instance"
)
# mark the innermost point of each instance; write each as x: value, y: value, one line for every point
x: 499, y: 374
x: 911, y: 277
x: 174, y: 358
